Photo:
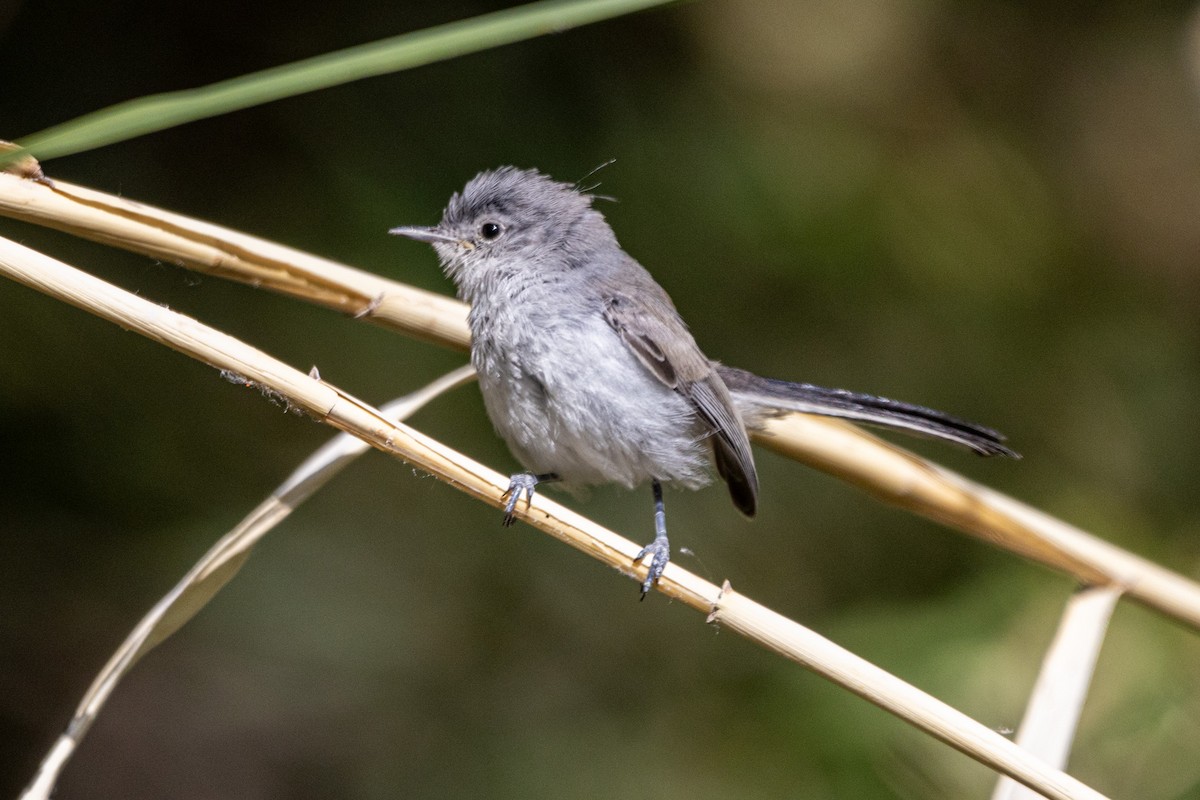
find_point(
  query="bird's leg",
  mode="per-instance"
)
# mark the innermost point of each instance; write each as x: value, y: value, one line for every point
x: 660, y: 549
x: 522, y: 483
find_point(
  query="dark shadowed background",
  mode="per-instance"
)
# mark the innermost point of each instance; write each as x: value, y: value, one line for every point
x: 987, y: 207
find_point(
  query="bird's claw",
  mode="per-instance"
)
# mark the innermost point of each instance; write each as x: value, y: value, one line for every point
x: 659, y: 552
x: 522, y: 483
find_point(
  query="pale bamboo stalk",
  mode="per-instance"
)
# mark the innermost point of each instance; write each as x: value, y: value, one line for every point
x: 213, y: 571
x: 335, y: 407
x: 1056, y: 703
x: 880, y: 468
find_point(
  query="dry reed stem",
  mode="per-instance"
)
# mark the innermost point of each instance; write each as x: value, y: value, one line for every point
x: 215, y: 569
x: 900, y: 478
x: 884, y: 470
x: 794, y: 641
x: 1048, y: 728
x: 226, y: 253
x: 732, y: 611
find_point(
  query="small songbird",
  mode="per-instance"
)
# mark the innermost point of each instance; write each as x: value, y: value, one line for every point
x: 589, y: 373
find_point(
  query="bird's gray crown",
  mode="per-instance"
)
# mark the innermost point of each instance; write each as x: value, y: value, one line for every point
x: 524, y: 195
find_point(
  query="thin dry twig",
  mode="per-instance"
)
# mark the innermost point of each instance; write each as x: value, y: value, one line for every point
x: 732, y: 611
x: 884, y: 470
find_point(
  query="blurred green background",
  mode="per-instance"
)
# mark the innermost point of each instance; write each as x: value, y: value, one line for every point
x: 987, y: 207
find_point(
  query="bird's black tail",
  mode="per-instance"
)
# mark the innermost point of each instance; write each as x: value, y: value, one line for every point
x: 758, y: 396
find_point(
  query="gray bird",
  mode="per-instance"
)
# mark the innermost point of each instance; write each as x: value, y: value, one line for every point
x: 589, y: 373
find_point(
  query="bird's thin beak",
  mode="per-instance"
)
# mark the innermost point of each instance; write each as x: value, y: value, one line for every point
x: 429, y: 235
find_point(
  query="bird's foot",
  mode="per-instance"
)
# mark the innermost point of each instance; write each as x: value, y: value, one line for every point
x: 523, y: 483
x: 659, y: 553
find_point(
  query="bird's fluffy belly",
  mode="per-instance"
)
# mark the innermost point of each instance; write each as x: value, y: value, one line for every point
x: 577, y: 403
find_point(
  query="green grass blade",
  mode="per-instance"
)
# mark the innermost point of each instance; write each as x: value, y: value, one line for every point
x: 160, y: 111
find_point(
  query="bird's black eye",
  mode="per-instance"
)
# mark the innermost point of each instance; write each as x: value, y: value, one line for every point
x: 490, y: 230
